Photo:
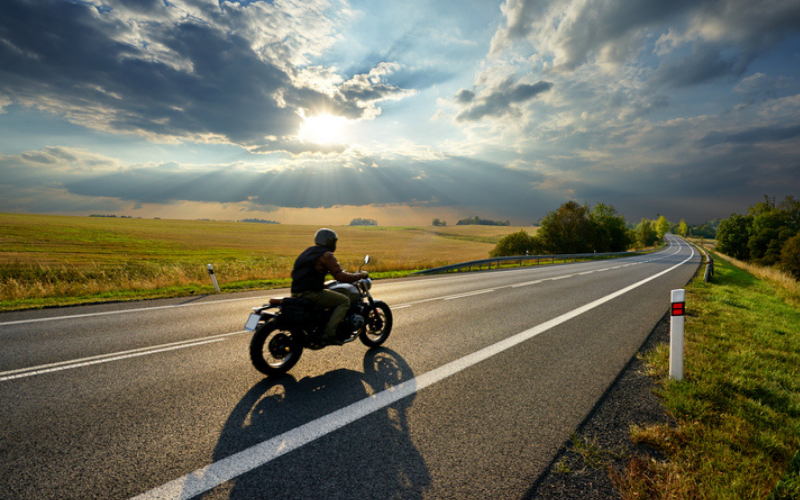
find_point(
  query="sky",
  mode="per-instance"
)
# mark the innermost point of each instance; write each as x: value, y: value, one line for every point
x: 322, y: 111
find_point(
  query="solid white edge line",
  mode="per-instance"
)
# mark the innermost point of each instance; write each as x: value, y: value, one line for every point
x: 219, y: 472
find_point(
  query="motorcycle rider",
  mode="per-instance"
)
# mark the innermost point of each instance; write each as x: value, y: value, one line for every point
x: 308, y: 278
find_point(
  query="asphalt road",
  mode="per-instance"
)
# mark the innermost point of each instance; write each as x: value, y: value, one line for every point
x: 483, y: 379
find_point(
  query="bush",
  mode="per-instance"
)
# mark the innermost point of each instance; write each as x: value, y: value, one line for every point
x: 520, y: 243
x: 790, y: 256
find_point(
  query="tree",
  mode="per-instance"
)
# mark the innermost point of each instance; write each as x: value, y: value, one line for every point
x: 662, y: 227
x: 610, y: 229
x: 645, y: 234
x: 519, y: 243
x: 437, y: 222
x: 773, y: 225
x: 683, y: 229
x: 567, y: 230
x: 733, y: 236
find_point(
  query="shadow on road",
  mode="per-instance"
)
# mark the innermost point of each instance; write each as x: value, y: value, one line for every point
x: 373, y: 457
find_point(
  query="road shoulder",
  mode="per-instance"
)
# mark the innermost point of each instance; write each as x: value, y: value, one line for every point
x: 601, y: 446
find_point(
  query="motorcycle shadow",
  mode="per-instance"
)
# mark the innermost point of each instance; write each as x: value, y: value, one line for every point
x: 373, y: 457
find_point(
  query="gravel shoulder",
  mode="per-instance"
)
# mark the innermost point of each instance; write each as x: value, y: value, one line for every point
x: 602, y: 442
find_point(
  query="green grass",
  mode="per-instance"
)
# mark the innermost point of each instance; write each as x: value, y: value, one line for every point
x: 738, y: 407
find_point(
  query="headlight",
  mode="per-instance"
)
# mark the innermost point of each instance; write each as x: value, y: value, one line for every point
x: 366, y: 283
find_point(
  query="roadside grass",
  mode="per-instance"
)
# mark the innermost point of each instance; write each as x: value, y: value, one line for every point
x: 738, y: 407
x: 54, y: 260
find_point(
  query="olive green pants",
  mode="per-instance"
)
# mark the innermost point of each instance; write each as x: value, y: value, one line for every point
x: 328, y: 299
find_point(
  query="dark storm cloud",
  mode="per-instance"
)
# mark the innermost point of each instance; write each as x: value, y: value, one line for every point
x: 187, y: 79
x: 706, y: 63
x: 451, y: 181
x: 498, y: 101
x: 753, y: 136
x: 722, y: 172
x: 63, y: 52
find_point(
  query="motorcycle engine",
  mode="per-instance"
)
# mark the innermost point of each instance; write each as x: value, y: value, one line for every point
x: 357, y: 321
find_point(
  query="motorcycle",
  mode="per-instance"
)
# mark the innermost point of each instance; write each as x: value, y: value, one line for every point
x: 287, y: 325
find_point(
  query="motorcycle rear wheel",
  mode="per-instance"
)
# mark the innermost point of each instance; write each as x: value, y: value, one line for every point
x: 378, y: 327
x: 273, y: 350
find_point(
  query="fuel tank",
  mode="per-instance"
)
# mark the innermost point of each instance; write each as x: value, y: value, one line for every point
x: 347, y: 289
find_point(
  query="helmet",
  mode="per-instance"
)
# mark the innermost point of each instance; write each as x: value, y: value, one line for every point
x: 327, y: 238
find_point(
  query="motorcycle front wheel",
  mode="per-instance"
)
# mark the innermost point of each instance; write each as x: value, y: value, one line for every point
x: 378, y: 327
x: 273, y: 350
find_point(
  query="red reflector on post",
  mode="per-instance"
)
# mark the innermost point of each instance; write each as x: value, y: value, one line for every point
x: 678, y: 308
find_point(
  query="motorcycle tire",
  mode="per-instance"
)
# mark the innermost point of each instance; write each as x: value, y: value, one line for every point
x: 274, y: 350
x: 378, y: 327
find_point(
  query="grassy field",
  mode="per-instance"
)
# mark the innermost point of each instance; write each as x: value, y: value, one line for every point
x: 738, y: 407
x: 53, y: 260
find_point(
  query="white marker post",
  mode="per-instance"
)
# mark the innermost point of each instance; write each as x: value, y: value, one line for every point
x: 213, y: 277
x: 676, y: 334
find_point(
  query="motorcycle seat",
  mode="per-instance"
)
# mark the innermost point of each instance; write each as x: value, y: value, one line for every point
x: 276, y: 301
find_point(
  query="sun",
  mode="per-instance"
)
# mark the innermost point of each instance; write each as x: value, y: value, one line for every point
x: 323, y: 129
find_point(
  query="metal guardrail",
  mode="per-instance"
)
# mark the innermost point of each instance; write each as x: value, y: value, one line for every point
x: 521, y: 258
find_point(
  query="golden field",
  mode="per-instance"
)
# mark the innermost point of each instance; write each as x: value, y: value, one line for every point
x: 56, y: 260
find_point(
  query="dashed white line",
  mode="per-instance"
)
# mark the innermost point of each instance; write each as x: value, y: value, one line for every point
x: 106, y: 358
x: 479, y: 292
x: 124, y: 311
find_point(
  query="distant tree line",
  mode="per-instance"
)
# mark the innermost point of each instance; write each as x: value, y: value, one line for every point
x: 769, y: 235
x: 259, y: 221
x: 477, y: 221
x: 574, y: 228
x: 437, y: 222
x: 363, y: 222
x: 707, y: 230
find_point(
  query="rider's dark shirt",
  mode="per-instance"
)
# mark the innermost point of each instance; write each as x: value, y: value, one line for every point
x: 305, y: 275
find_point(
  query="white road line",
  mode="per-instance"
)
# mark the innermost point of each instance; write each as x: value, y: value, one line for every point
x: 125, y: 311
x: 105, y: 358
x: 470, y: 294
x: 177, y: 306
x: 527, y: 283
x: 217, y: 473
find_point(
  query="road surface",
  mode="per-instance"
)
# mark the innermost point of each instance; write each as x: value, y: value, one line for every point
x: 484, y: 378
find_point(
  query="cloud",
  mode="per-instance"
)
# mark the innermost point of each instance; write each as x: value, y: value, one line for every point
x: 757, y: 135
x: 705, y: 63
x: 205, y: 72
x: 357, y: 97
x: 347, y: 181
x: 499, y: 100
x: 725, y: 35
